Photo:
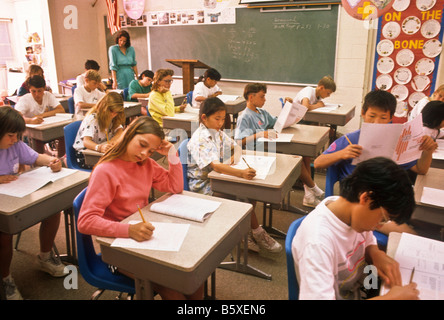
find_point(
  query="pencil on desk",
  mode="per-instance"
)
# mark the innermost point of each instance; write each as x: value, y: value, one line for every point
x: 140, y: 211
x: 347, y: 139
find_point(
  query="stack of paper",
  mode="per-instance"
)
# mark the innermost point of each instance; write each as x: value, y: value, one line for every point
x: 58, y: 117
x: 33, y: 180
x: 186, y: 207
x: 166, y: 237
x: 433, y: 196
x: 227, y: 97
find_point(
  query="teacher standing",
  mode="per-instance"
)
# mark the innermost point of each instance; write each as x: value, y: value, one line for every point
x: 122, y: 61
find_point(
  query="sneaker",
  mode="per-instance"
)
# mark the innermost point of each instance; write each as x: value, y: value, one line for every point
x: 52, y: 265
x: 266, y: 242
x: 252, y: 245
x: 11, y: 290
x: 310, y: 200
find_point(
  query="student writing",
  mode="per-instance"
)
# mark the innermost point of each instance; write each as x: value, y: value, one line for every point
x: 161, y: 100
x: 206, y: 88
x: 101, y: 127
x: 335, y: 241
x: 210, y: 148
x: 123, y: 179
x: 15, y: 154
x: 255, y: 122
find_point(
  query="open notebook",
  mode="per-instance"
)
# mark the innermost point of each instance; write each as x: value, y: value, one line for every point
x: 186, y: 207
x: 58, y: 117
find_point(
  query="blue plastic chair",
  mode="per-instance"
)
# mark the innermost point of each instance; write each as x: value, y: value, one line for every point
x: 125, y: 94
x: 71, y: 107
x: 70, y: 132
x: 183, y: 155
x: 331, y: 178
x: 91, y: 266
x: 189, y: 97
x: 293, y: 286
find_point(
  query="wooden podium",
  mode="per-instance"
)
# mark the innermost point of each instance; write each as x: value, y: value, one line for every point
x: 188, y: 71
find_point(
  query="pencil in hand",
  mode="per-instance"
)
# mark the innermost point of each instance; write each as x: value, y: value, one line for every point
x: 347, y: 139
x: 140, y: 211
x: 246, y: 162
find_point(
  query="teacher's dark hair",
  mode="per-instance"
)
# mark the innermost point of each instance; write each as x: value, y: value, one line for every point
x: 125, y: 34
x: 387, y: 185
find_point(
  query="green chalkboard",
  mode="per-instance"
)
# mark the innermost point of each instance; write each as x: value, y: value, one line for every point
x: 287, y: 47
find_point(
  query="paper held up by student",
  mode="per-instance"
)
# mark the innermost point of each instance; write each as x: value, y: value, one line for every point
x: 290, y: 114
x: 186, y: 207
x: 399, y: 142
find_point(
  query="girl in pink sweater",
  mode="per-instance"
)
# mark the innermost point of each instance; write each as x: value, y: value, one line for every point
x: 123, y: 179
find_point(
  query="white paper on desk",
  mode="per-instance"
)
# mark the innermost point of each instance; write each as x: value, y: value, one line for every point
x: 227, y: 97
x: 166, y: 237
x: 439, y: 152
x: 427, y: 257
x: 31, y: 181
x: 328, y: 107
x: 281, y: 137
x: 433, y: 196
x: 262, y: 164
x: 58, y: 117
x: 290, y: 114
x: 399, y: 142
x: 186, y: 207
x: 186, y: 116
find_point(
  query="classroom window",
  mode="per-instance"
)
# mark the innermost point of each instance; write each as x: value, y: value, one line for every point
x: 6, y: 53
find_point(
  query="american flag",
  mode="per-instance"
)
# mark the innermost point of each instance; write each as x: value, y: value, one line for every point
x: 113, y: 16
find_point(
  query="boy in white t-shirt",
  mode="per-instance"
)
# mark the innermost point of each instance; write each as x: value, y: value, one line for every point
x: 38, y: 103
x: 335, y: 241
x: 89, y: 65
x: 206, y: 88
x: 86, y: 96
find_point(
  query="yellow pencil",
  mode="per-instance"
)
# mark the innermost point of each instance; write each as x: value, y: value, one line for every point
x: 411, y: 276
x: 107, y: 139
x: 347, y: 139
x: 140, y: 211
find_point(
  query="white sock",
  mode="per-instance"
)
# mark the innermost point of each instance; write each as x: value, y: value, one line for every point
x: 317, y: 191
x: 257, y: 231
x: 44, y: 255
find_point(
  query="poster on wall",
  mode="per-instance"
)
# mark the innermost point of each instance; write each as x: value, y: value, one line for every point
x: 408, y: 48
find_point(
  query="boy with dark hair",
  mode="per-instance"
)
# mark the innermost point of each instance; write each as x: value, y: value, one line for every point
x: 90, y: 65
x: 335, y: 241
x: 206, y: 88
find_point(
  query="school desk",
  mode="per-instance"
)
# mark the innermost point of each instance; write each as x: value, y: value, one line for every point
x: 427, y: 212
x: 205, y: 246
x: 338, y: 117
x: 437, y: 162
x: 307, y: 140
x: 188, y: 121
x: 18, y: 214
x: 271, y: 190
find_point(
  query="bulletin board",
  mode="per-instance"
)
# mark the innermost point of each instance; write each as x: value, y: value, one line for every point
x: 408, y: 50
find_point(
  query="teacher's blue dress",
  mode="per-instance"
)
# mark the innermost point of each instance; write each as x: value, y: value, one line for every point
x: 122, y: 64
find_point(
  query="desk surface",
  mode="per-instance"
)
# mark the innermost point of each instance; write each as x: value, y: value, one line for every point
x: 205, y: 246
x: 17, y: 214
x: 426, y: 212
x: 51, y: 131
x: 307, y: 140
x: 283, y: 174
x: 339, y: 117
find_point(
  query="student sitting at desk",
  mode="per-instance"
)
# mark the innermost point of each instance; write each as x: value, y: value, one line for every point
x: 122, y: 180
x: 87, y: 95
x: 210, y: 148
x: 433, y: 119
x: 33, y: 70
x: 101, y: 127
x: 311, y: 97
x: 335, y: 241
x: 14, y: 153
x: 255, y: 122
x: 161, y: 100
x: 438, y: 95
x: 379, y: 107
x: 90, y: 65
x: 207, y: 88
x: 141, y: 88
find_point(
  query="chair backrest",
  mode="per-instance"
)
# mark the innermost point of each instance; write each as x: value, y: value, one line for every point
x: 73, y: 89
x: 70, y: 132
x: 189, y: 97
x: 91, y: 266
x: 183, y: 155
x: 293, y: 286
x: 331, y: 178
x: 125, y: 94
x: 71, y: 107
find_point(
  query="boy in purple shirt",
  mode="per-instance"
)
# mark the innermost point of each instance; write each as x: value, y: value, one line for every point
x: 14, y: 154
